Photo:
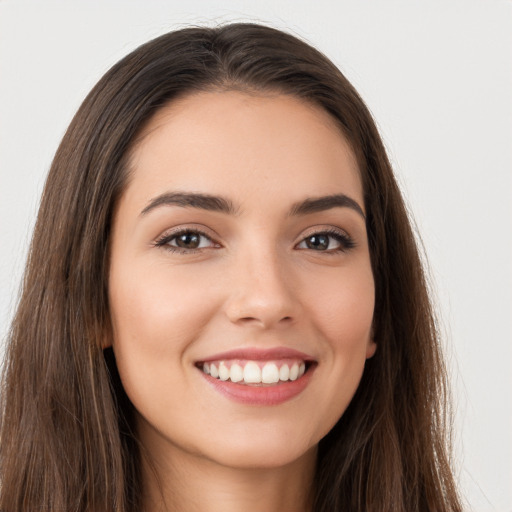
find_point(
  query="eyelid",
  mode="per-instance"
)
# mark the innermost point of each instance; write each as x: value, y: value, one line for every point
x: 323, y: 228
x: 345, y: 240
x: 169, y: 234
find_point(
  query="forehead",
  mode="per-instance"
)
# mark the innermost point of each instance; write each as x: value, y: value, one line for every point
x: 243, y: 144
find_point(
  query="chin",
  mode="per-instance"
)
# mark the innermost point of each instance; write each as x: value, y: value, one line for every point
x: 265, y: 449
x: 259, y: 457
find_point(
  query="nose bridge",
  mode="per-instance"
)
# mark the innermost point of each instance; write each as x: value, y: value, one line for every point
x: 262, y: 292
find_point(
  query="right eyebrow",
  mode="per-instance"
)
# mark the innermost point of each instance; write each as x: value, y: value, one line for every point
x: 319, y: 204
x: 191, y: 200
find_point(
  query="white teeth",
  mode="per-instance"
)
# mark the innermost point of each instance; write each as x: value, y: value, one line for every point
x: 237, y: 373
x: 223, y: 371
x: 252, y: 373
x: 269, y: 374
x: 294, y: 371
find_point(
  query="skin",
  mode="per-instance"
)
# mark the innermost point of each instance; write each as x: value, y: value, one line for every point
x: 253, y: 282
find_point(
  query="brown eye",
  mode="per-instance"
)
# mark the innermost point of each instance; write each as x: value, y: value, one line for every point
x: 188, y: 240
x: 328, y: 242
x: 317, y: 242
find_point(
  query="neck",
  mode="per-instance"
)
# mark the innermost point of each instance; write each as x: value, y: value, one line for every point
x: 196, y: 484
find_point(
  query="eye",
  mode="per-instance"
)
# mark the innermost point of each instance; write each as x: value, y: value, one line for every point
x: 327, y: 241
x: 186, y: 240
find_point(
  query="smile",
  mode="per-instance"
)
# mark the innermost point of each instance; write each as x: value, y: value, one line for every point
x: 255, y: 372
x: 259, y: 377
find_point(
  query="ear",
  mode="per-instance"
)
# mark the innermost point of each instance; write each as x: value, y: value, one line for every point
x: 371, y: 347
x: 107, y: 337
x: 106, y: 342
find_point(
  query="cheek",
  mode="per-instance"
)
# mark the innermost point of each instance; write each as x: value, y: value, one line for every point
x: 343, y: 318
x: 157, y: 305
x: 156, y: 315
x: 345, y: 310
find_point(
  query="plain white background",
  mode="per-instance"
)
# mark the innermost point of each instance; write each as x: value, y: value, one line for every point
x: 438, y: 79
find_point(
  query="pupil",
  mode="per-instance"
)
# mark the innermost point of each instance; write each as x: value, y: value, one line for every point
x: 318, y: 242
x: 188, y: 240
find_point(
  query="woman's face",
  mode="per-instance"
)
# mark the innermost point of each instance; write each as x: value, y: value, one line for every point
x: 240, y: 255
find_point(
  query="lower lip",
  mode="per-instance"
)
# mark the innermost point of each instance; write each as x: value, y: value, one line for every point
x: 261, y: 395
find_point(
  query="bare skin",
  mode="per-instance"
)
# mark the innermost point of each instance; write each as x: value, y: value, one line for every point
x: 277, y: 263
x: 205, y: 486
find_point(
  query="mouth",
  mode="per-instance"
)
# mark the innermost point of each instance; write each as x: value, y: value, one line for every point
x: 256, y: 373
x: 258, y: 377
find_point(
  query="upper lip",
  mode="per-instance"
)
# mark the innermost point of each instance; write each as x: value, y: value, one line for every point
x: 259, y: 354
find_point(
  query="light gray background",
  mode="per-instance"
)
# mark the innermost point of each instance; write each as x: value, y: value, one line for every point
x: 438, y: 79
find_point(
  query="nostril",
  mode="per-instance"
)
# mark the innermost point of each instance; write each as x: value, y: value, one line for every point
x: 265, y: 321
x: 248, y: 319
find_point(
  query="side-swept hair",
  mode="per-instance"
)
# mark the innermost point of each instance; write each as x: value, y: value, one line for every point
x: 67, y: 442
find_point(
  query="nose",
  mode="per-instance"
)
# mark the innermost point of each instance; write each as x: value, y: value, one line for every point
x: 262, y: 293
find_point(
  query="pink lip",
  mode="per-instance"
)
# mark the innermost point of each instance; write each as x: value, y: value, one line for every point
x: 261, y: 395
x: 257, y: 354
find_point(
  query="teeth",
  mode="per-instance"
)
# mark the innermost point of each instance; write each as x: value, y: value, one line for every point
x: 252, y: 372
x: 294, y: 371
x: 223, y: 371
x: 237, y: 373
x: 270, y: 374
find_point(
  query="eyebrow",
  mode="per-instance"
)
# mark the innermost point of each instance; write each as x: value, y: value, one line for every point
x: 319, y: 204
x: 224, y: 205
x: 192, y: 200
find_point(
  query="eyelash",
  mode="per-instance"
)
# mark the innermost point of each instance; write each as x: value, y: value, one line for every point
x: 345, y: 242
x: 165, y: 240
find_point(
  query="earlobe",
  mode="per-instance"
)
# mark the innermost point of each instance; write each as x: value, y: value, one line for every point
x: 106, y: 343
x: 370, y: 349
x: 106, y: 339
x: 371, y: 346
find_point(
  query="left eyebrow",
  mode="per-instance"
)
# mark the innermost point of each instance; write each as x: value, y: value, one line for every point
x: 320, y: 204
x: 192, y: 200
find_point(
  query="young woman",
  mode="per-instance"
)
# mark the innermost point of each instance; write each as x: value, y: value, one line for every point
x: 224, y: 307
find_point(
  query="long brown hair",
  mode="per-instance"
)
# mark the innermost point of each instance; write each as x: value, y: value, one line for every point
x: 66, y: 437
